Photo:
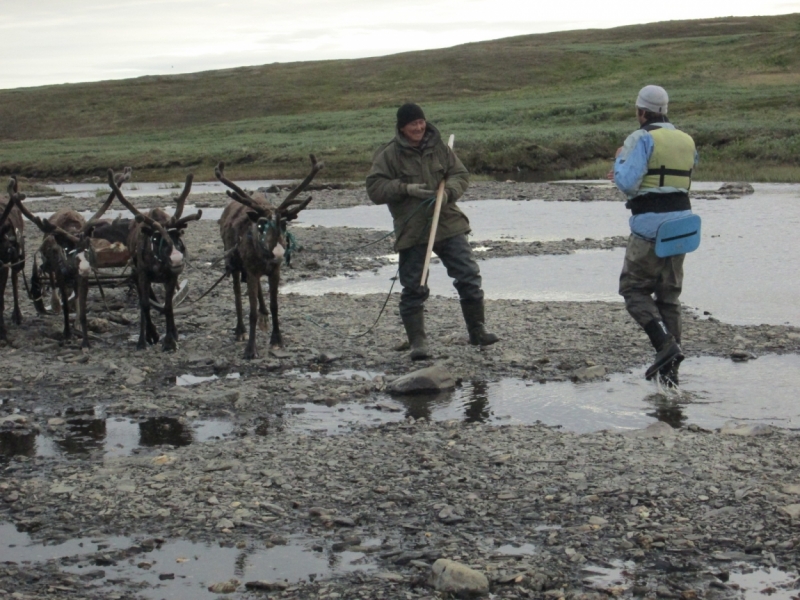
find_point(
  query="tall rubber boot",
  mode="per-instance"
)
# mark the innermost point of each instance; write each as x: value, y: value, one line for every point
x: 474, y: 318
x: 667, y: 349
x: 669, y: 375
x: 415, y: 330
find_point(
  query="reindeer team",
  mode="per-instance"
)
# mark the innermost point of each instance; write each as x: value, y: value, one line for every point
x: 253, y: 234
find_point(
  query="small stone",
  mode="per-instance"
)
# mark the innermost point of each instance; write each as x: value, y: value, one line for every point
x: 793, y: 510
x: 224, y: 587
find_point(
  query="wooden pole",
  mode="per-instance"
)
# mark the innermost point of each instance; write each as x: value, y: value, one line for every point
x: 434, y: 223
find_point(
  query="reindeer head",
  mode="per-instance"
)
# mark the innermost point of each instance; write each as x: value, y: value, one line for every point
x: 67, y: 235
x: 269, y: 225
x: 10, y: 236
x: 161, y: 234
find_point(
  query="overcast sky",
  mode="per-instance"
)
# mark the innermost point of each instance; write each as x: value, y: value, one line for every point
x: 59, y: 41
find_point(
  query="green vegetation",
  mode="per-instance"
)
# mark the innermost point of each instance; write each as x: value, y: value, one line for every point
x: 558, y: 104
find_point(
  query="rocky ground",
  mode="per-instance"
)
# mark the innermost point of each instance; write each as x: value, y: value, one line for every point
x: 679, y: 508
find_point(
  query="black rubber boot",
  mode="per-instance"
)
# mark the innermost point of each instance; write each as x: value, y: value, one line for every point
x: 667, y: 349
x: 415, y: 330
x: 473, y: 316
x: 668, y: 376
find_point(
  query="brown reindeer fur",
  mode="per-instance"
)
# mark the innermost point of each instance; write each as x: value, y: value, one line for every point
x: 12, y: 259
x: 252, y: 252
x: 61, y: 262
x: 153, y: 239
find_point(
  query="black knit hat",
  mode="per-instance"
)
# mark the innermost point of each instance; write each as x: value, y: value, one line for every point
x: 408, y: 113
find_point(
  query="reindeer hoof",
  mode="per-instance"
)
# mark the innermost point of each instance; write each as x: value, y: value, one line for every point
x: 263, y: 322
x: 250, y: 354
x: 16, y: 319
x: 169, y: 345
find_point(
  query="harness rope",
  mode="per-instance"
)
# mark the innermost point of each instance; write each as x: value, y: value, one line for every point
x: 425, y: 203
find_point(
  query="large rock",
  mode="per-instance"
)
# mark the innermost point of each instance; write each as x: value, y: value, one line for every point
x: 654, y: 430
x: 450, y: 576
x: 738, y: 188
x: 745, y: 429
x: 430, y: 379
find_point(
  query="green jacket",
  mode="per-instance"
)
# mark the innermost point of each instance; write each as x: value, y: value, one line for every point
x: 398, y: 164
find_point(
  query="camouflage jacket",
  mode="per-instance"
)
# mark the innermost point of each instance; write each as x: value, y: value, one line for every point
x: 397, y: 164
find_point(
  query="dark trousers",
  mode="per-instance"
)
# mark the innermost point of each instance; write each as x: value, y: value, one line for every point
x: 651, y: 285
x: 456, y: 255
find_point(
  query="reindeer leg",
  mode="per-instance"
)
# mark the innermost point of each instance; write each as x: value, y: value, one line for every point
x: 83, y: 292
x: 253, y: 284
x: 146, y: 327
x: 274, y: 278
x: 237, y: 297
x: 3, y: 281
x: 16, y: 316
x: 37, y: 290
x: 54, y: 303
x: 65, y: 309
x: 171, y: 337
x: 262, y: 310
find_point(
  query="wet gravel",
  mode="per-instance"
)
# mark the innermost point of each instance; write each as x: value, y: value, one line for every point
x: 682, y: 508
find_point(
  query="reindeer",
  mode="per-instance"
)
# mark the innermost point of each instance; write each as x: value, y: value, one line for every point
x: 67, y: 238
x: 12, y: 252
x: 254, y: 236
x: 157, y: 255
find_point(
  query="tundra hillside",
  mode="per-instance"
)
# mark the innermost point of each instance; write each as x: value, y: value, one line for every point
x: 556, y: 104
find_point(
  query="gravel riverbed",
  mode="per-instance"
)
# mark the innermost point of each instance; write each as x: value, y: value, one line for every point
x: 672, y: 512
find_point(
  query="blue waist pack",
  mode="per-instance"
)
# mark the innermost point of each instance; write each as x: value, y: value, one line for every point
x: 678, y: 236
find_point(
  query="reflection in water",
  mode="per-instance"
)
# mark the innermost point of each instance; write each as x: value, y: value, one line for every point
x: 473, y: 397
x: 164, y: 430
x: 83, y: 435
x: 667, y: 410
x: 18, y: 442
x: 476, y: 404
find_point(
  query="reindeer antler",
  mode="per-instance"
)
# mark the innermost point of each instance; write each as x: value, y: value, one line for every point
x: 13, y: 196
x: 238, y: 193
x: 316, y: 167
x: 119, y: 179
x: 137, y: 215
x: 181, y: 200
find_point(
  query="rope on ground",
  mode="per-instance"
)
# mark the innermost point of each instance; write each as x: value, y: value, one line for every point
x: 371, y: 327
x: 424, y: 204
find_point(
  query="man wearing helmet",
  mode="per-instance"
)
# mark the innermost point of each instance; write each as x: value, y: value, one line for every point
x: 653, y: 168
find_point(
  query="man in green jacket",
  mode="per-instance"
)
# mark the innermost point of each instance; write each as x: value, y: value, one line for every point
x: 405, y: 175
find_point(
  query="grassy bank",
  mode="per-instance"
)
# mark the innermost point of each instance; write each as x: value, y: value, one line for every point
x: 557, y: 103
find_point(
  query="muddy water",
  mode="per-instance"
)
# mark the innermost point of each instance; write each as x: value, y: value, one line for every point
x: 84, y: 435
x: 713, y: 391
x: 183, y: 570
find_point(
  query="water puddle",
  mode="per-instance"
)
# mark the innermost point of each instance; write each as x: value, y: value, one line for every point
x: 750, y: 583
x: 516, y: 550
x: 189, y: 379
x: 87, y: 434
x: 714, y: 391
x: 770, y: 583
x: 344, y: 375
x: 179, y: 569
